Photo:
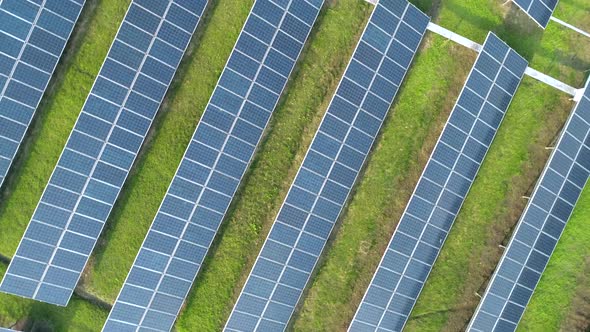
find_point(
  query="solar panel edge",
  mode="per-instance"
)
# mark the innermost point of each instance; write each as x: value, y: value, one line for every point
x: 10, y: 163
x: 365, y: 158
x: 307, y: 152
x: 199, y: 15
x: 278, y: 28
x: 439, y: 140
x: 524, y: 265
x: 32, y: 28
x: 520, y: 222
x: 2, y: 283
x: 61, y: 154
x: 542, y: 24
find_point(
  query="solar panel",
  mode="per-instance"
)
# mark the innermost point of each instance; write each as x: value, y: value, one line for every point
x: 331, y: 165
x: 101, y: 149
x: 32, y: 38
x: 213, y: 165
x: 441, y: 189
x: 539, y: 10
x: 539, y: 228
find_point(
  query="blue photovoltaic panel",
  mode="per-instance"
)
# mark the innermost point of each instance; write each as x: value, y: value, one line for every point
x: 213, y: 165
x: 441, y: 189
x: 539, y: 228
x: 101, y: 149
x: 539, y: 10
x: 330, y: 168
x: 33, y: 35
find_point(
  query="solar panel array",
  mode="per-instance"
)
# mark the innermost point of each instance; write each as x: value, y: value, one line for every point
x: 539, y: 228
x: 539, y: 10
x: 330, y: 168
x: 101, y: 149
x: 33, y: 35
x: 441, y: 189
x: 213, y: 165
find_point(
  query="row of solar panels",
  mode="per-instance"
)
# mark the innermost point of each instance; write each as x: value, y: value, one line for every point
x: 330, y: 168
x: 442, y: 188
x: 101, y: 149
x: 213, y: 165
x: 33, y: 35
x: 540, y: 226
x: 111, y: 127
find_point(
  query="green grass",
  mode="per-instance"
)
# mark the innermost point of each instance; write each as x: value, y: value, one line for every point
x: 79, y: 315
x: 291, y: 130
x: 55, y: 120
x: 552, y: 301
x: 146, y: 186
x: 421, y: 108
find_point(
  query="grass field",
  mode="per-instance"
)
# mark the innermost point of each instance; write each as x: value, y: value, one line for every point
x: 408, y: 135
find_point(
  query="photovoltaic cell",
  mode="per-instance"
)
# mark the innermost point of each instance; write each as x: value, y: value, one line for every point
x: 213, y: 165
x: 539, y: 10
x: 101, y: 149
x: 442, y: 188
x: 539, y: 228
x: 337, y: 153
x: 32, y: 38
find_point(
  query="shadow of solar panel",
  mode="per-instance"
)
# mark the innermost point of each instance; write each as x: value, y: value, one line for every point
x: 221, y: 149
x: 539, y: 10
x: 330, y: 168
x: 442, y: 188
x: 539, y: 228
x: 32, y: 38
x: 100, y: 150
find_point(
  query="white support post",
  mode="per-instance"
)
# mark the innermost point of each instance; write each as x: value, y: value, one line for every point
x: 575, y: 93
x: 567, y: 25
x: 553, y: 82
x: 454, y: 37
